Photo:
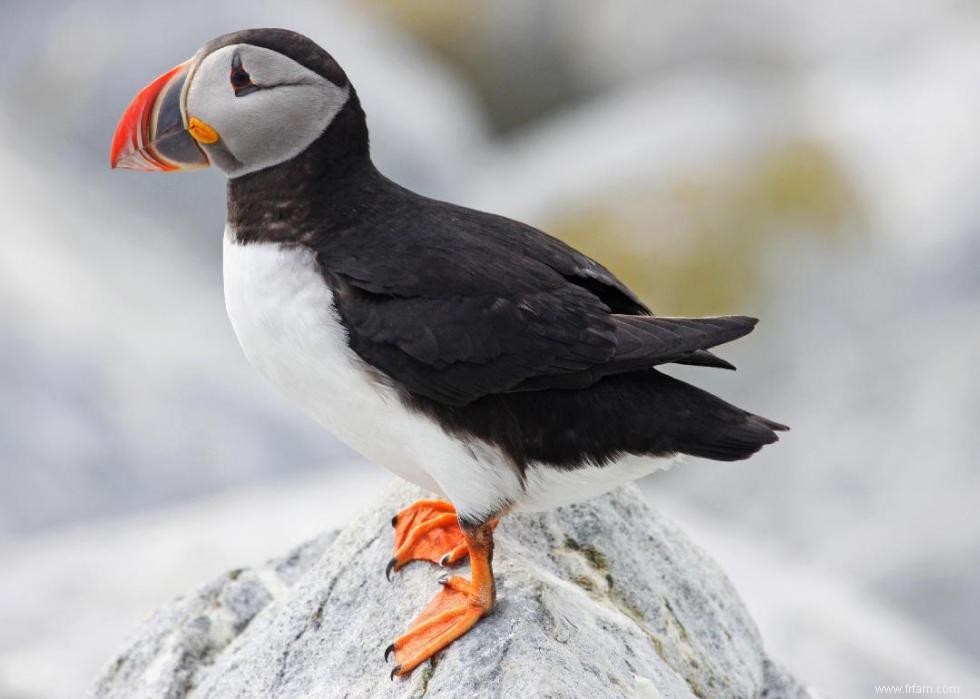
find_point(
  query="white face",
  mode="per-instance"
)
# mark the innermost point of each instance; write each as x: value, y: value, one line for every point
x: 264, y: 107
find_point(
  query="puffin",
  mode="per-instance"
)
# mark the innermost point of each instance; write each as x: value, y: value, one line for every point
x: 473, y: 355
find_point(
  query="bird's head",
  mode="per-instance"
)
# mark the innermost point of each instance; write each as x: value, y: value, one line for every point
x: 245, y: 102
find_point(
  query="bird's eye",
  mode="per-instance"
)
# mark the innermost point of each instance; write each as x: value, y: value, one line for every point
x: 241, y: 81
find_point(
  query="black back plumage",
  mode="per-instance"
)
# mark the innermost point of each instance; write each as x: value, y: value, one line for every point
x: 489, y: 326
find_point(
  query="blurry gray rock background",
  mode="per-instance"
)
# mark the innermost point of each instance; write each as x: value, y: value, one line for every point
x: 811, y: 163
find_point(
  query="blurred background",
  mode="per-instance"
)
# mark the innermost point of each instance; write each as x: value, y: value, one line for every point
x: 811, y: 163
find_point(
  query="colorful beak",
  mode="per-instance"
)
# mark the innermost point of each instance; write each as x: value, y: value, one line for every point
x: 153, y: 131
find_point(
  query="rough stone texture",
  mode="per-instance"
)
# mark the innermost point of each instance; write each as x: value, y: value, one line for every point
x: 601, y: 599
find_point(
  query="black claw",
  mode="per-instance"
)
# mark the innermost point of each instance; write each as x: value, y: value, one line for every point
x: 394, y: 672
x: 391, y: 564
x: 394, y: 521
x: 389, y: 650
x: 444, y: 561
x: 444, y: 579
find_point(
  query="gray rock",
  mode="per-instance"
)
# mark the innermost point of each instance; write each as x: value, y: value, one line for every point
x: 601, y: 599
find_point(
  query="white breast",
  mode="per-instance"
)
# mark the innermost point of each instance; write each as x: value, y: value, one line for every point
x: 283, y: 314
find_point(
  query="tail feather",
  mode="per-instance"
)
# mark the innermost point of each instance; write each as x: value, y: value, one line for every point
x: 702, y: 424
x: 645, y: 341
x: 734, y: 442
x: 703, y: 358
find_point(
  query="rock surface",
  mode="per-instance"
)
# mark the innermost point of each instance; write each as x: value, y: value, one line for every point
x: 601, y: 599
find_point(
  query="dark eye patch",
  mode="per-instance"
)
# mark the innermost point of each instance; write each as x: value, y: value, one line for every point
x: 241, y: 81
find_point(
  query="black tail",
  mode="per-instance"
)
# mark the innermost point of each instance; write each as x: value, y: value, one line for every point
x: 706, y: 426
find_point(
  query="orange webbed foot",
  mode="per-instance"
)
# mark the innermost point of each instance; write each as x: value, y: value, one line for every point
x: 449, y: 615
x: 453, y: 611
x: 427, y: 530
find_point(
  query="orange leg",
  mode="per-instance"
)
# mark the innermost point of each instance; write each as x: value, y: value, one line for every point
x: 454, y: 610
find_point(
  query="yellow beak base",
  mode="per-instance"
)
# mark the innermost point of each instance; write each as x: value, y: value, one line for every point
x: 202, y: 132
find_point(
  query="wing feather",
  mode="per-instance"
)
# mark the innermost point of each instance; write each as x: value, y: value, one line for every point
x: 463, y: 305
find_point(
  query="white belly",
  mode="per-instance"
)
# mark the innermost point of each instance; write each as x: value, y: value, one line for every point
x: 547, y: 487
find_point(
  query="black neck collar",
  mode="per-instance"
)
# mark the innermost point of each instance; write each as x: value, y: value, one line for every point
x: 321, y: 189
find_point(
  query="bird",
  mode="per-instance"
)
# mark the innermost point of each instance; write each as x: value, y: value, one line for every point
x: 473, y: 355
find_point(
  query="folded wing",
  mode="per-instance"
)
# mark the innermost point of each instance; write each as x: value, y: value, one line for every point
x: 466, y: 305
